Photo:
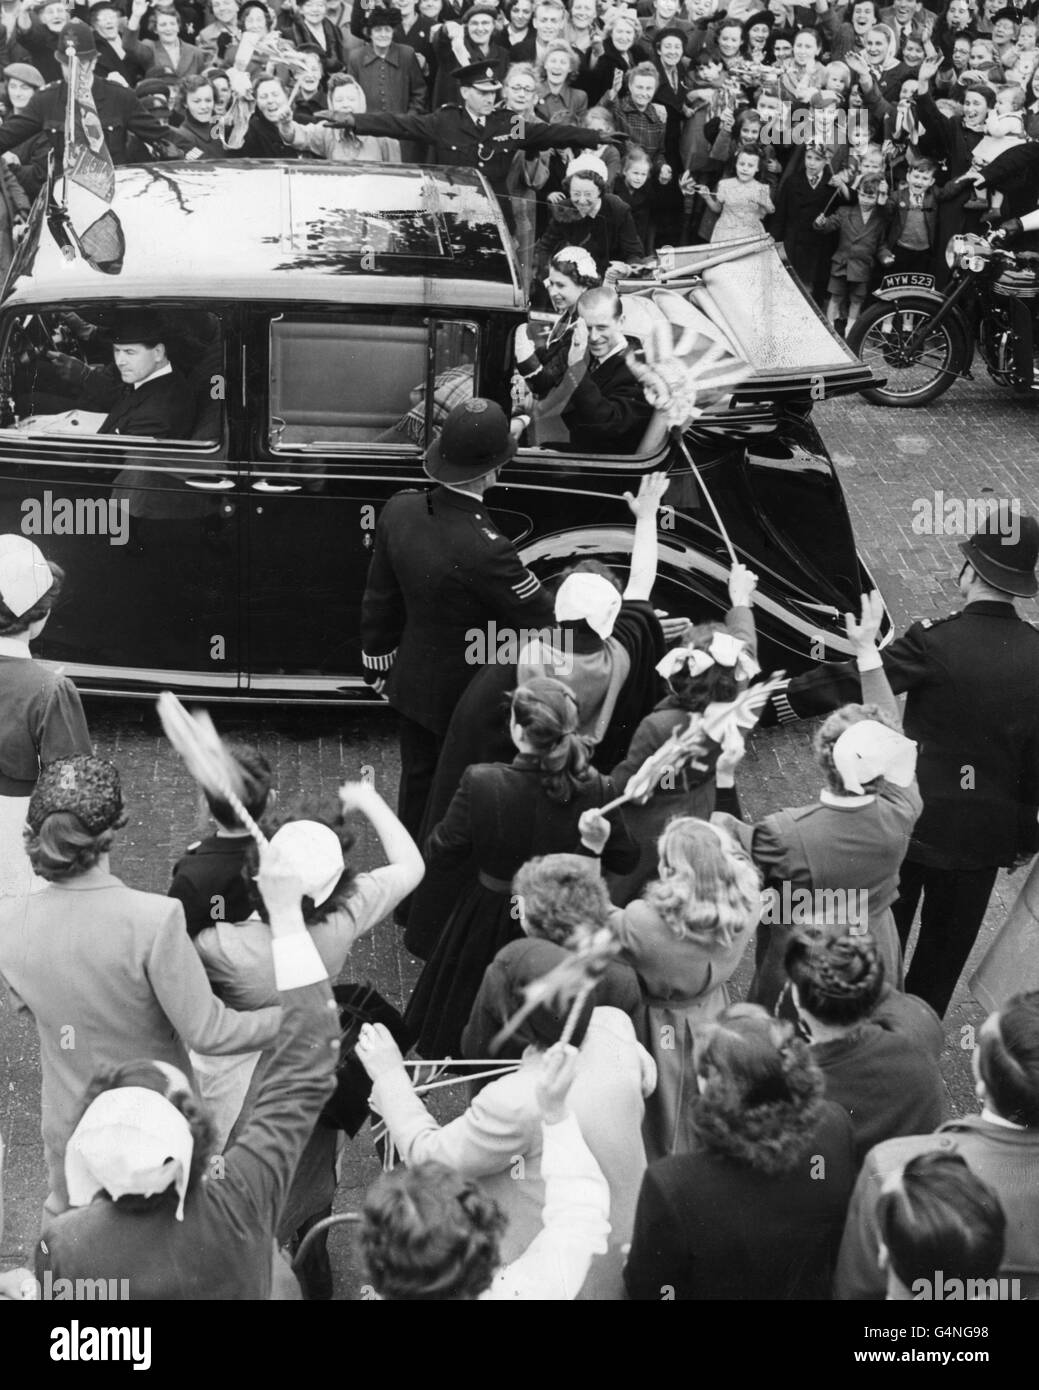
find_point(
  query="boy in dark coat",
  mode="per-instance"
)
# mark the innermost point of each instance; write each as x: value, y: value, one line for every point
x: 801, y: 199
x: 860, y: 231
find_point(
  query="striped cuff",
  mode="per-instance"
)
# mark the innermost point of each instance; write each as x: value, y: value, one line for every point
x: 379, y: 663
x: 785, y: 712
x: 527, y: 587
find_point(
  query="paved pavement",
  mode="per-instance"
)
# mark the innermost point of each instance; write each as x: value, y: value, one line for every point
x: 975, y: 442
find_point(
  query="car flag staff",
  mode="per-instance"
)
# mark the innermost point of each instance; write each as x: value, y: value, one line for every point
x: 87, y: 165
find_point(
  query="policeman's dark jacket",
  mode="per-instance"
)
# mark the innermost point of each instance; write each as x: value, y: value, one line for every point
x: 440, y: 570
x: 161, y: 408
x: 972, y: 683
x: 119, y: 111
x: 457, y: 138
x: 607, y: 411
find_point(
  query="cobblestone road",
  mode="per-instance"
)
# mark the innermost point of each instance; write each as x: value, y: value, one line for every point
x: 973, y: 442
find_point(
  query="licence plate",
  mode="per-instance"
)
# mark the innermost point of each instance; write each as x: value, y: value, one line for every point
x: 907, y: 281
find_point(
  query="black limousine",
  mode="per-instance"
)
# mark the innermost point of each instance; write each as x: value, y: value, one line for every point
x: 315, y: 306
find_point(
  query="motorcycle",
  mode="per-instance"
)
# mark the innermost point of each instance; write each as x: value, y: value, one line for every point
x: 918, y: 341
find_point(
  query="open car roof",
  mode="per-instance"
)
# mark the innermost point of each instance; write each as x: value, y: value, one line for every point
x: 745, y: 289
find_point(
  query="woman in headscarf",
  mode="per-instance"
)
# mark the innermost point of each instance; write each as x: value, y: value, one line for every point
x: 756, y: 1209
x: 139, y: 1155
x: 41, y: 718
x: 605, y: 648
x: 502, y: 815
x: 345, y: 97
x: 498, y: 1137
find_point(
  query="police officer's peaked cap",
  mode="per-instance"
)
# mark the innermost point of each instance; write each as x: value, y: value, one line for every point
x: 79, y: 37
x: 486, y: 77
x: 153, y: 94
x: 1005, y: 556
x: 475, y: 441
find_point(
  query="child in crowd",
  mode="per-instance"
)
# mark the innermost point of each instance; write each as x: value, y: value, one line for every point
x: 909, y: 243
x: 634, y: 188
x: 803, y: 197
x: 742, y: 201
x: 860, y: 231
x: 209, y: 880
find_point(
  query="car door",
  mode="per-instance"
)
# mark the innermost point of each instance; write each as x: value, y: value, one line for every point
x: 345, y: 401
x: 147, y: 531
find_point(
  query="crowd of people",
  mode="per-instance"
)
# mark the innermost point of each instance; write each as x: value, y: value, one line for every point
x: 861, y: 137
x: 632, y: 1129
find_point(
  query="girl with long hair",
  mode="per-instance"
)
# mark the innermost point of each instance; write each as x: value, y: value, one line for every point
x: 502, y: 815
x: 684, y: 938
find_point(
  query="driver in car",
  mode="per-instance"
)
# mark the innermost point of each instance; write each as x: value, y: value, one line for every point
x: 142, y: 392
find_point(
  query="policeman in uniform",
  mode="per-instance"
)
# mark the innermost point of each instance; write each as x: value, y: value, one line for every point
x: 972, y: 684
x: 440, y: 573
x: 478, y: 133
x: 119, y: 111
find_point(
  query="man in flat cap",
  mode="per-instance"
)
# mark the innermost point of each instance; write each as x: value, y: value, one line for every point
x: 972, y: 685
x: 478, y: 132
x: 118, y: 109
x: 440, y: 570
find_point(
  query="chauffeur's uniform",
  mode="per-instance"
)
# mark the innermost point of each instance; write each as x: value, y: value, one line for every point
x: 972, y: 681
x: 441, y: 571
x: 162, y: 407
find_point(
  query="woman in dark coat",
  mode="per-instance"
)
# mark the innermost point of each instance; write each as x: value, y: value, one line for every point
x: 198, y: 117
x: 748, y: 1214
x: 502, y: 815
x: 27, y: 161
x: 599, y: 221
x: 610, y: 667
x: 262, y: 139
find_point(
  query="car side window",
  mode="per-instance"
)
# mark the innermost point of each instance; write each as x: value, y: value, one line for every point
x: 361, y: 380
x: 74, y: 370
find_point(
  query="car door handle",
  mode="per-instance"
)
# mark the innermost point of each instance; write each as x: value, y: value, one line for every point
x: 264, y: 486
x: 210, y: 484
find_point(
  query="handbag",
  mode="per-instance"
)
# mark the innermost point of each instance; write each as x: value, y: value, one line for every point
x: 347, y: 1107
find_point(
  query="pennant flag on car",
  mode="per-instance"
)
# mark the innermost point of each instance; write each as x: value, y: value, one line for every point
x: 103, y: 245
x: 689, y: 364
x: 87, y: 160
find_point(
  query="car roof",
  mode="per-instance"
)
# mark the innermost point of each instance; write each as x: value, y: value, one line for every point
x: 264, y: 229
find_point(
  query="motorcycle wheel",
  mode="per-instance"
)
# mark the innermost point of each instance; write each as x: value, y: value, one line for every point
x: 878, y: 337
